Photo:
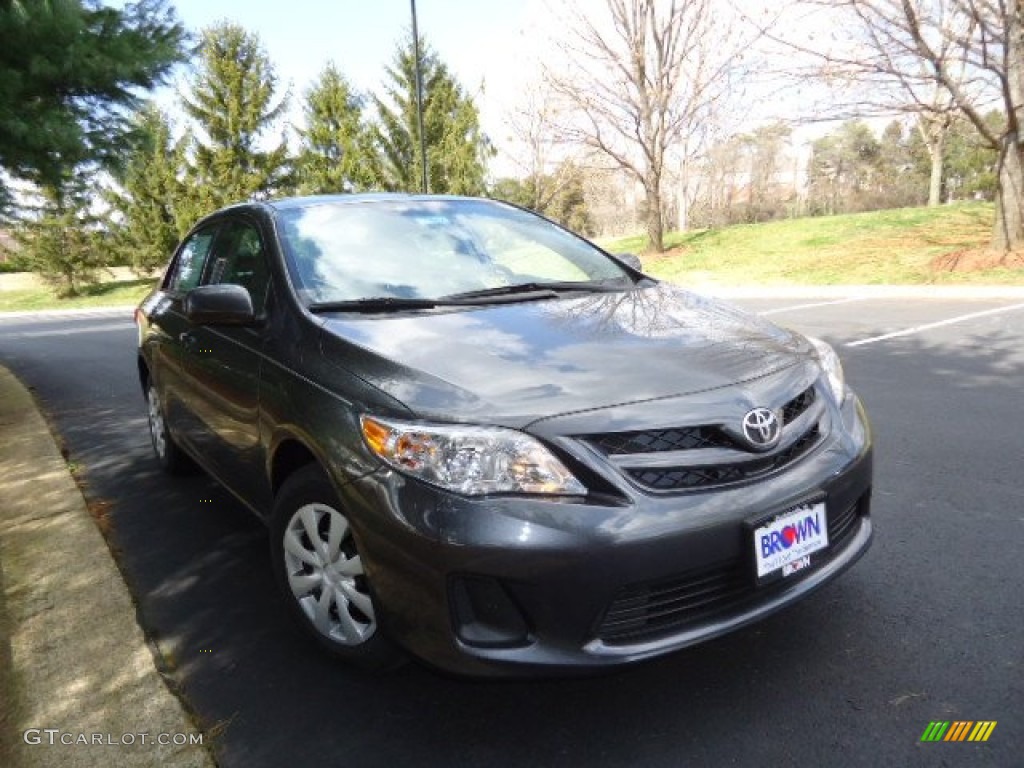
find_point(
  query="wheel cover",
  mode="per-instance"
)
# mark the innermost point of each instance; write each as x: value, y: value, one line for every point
x: 326, y: 576
x: 157, y: 430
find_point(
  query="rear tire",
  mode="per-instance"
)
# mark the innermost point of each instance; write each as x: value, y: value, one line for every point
x: 319, y: 570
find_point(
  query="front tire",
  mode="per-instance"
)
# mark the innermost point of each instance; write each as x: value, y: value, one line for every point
x: 319, y: 569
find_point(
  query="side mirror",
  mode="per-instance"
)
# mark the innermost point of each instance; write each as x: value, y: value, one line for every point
x: 219, y: 305
x: 630, y: 260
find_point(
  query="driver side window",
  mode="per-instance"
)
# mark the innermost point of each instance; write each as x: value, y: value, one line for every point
x: 240, y: 260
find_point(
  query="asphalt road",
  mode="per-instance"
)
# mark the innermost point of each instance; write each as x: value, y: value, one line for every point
x: 928, y: 626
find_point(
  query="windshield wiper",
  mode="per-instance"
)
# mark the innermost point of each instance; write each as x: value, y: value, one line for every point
x: 536, y: 287
x: 499, y: 295
x: 398, y: 304
x: 374, y: 304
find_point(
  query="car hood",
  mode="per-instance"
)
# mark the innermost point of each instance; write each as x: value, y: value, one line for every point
x: 511, y: 364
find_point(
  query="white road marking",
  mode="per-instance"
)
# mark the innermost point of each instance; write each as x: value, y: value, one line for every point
x: 795, y: 307
x: 939, y: 324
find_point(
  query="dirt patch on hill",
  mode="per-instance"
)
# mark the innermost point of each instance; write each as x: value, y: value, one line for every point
x: 668, y: 253
x: 675, y: 252
x: 977, y: 259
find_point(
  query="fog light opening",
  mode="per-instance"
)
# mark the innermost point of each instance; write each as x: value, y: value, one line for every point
x: 485, y: 615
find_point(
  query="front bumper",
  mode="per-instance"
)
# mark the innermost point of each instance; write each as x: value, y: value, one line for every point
x: 511, y: 585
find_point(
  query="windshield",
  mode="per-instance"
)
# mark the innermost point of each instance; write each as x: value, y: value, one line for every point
x: 429, y: 249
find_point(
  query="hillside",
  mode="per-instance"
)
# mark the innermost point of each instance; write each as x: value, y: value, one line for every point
x: 909, y: 245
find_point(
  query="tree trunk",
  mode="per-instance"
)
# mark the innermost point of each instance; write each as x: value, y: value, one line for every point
x: 683, y: 221
x: 936, y: 150
x: 68, y: 289
x: 1008, y: 233
x: 655, y: 221
x: 683, y: 212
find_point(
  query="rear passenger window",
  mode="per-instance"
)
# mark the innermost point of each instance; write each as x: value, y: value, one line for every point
x: 188, y: 267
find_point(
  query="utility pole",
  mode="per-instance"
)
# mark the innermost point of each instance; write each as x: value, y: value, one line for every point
x: 419, y: 99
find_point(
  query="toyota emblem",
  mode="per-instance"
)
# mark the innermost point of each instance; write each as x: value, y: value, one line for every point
x: 762, y: 428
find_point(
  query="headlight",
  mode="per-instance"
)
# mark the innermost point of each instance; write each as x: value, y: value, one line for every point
x: 832, y: 367
x: 469, y: 460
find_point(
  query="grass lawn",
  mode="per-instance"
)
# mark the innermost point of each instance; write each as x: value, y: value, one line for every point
x: 882, y: 247
x: 113, y: 293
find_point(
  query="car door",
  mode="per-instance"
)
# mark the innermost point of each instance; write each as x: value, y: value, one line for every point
x: 169, y: 329
x: 222, y: 367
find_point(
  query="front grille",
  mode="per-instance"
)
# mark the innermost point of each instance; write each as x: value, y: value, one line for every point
x: 796, y: 406
x: 745, y: 464
x: 841, y: 526
x: 685, y: 438
x: 648, y: 612
x: 654, y: 610
x: 681, y: 478
x: 660, y: 440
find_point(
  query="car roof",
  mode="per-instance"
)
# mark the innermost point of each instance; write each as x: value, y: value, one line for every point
x: 274, y: 205
x: 286, y: 203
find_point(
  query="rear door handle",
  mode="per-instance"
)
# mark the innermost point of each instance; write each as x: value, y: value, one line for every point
x: 187, y: 340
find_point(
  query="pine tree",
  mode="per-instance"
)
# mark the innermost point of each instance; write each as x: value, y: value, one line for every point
x: 457, y: 149
x: 568, y: 205
x: 844, y: 174
x: 70, y: 74
x: 337, y: 152
x: 152, y: 201
x: 972, y: 165
x: 232, y: 104
x: 62, y: 244
x: 904, y: 167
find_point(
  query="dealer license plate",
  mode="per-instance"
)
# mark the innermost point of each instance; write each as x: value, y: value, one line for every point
x: 787, y: 542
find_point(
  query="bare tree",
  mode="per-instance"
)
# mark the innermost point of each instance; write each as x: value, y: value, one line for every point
x: 948, y: 57
x: 746, y: 177
x: 891, y: 76
x: 533, y: 127
x: 638, y: 80
x: 993, y: 39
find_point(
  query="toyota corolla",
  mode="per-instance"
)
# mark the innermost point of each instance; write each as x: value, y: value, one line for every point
x: 480, y: 439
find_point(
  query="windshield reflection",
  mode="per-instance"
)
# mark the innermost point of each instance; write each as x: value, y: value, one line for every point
x: 409, y: 249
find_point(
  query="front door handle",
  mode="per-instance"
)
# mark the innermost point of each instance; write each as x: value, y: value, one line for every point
x: 187, y: 340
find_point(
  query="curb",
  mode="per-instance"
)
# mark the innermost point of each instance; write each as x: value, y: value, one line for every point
x: 113, y: 311
x: 77, y: 677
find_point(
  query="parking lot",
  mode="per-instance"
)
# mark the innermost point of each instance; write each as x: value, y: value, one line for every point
x: 928, y: 626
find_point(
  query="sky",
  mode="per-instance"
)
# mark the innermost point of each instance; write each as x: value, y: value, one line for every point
x: 494, y: 48
x: 486, y: 44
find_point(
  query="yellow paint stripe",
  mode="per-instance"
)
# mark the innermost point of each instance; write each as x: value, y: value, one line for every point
x: 982, y: 730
